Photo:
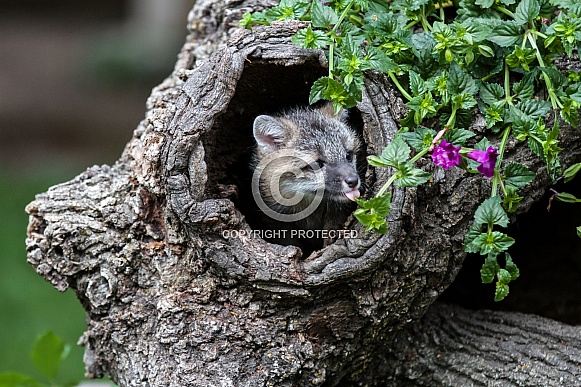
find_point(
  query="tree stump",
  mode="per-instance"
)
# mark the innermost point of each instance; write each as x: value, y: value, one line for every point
x: 179, y: 292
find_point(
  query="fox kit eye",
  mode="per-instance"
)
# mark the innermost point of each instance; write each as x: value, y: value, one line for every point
x: 311, y: 167
x: 349, y: 156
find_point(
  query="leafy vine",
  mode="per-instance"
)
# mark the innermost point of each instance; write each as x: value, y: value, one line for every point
x: 447, y: 59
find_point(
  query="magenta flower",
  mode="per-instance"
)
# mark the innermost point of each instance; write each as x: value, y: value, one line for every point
x: 487, y: 160
x: 446, y: 155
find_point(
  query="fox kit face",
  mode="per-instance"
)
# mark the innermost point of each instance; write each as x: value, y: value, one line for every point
x: 305, y: 154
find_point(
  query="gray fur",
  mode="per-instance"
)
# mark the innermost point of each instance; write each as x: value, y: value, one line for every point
x: 315, y: 137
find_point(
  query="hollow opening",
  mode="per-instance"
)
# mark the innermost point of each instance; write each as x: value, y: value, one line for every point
x: 264, y: 88
x: 548, y: 254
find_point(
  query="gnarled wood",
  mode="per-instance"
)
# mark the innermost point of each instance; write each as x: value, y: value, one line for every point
x: 177, y: 290
x: 451, y: 346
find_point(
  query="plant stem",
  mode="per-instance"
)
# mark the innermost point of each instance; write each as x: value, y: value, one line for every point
x: 393, y: 177
x: 539, y: 34
x: 331, y: 59
x: 419, y: 155
x: 496, y: 178
x: 507, y: 95
x: 343, y: 15
x: 410, y: 24
x: 503, y: 144
x: 425, y: 25
x: 398, y: 85
x: 386, y: 186
x: 552, y: 96
x: 333, y: 33
x: 452, y: 120
x: 505, y: 11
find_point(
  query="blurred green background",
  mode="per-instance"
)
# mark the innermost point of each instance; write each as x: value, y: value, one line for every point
x: 74, y: 78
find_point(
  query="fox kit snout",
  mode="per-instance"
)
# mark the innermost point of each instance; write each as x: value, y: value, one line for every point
x: 303, y: 157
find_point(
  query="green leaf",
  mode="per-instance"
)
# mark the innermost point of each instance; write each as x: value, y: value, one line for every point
x: 463, y: 101
x: 533, y: 108
x: 12, y: 379
x: 331, y: 90
x: 511, y: 267
x: 373, y: 212
x: 494, y: 242
x: 547, y: 10
x: 567, y: 198
x: 417, y: 84
x: 511, y: 200
x: 288, y: 10
x: 536, y: 147
x: 318, y: 89
x: 408, y: 176
x: 522, y: 124
x: 573, y: 6
x: 504, y: 276
x: 489, y: 269
x: 501, y: 291
x: 363, y: 4
x: 380, y: 204
x: 420, y: 138
x: 397, y: 152
x: 375, y: 161
x: 579, y: 231
x: 526, y: 87
x: 458, y: 136
x: 526, y: 11
x: 484, y: 3
x: 521, y: 57
x: 48, y: 353
x: 408, y: 5
x: 506, y: 34
x: 422, y: 106
x: 478, y: 28
x: 570, y: 111
x: 517, y: 175
x: 494, y: 113
x: 323, y: 16
x: 571, y: 172
x: 557, y: 78
x: 483, y: 144
x: 371, y: 221
x: 486, y: 50
x: 473, y: 232
x: 490, y: 212
x: 309, y: 38
x: 574, y: 92
x: 459, y: 81
x: 378, y: 60
x: 491, y: 93
x: 426, y: 64
x: 500, y: 242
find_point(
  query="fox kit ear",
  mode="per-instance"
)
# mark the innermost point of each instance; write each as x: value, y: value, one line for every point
x: 328, y: 110
x: 270, y: 134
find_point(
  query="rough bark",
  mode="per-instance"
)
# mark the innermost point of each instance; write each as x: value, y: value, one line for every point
x: 450, y: 346
x: 175, y: 298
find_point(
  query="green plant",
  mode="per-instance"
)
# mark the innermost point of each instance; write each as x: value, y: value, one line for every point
x: 47, y: 354
x: 567, y: 197
x: 496, y: 56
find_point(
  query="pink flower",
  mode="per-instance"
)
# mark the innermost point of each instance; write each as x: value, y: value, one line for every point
x: 487, y: 160
x: 446, y: 155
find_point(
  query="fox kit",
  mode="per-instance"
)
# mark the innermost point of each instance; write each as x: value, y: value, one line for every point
x: 305, y: 173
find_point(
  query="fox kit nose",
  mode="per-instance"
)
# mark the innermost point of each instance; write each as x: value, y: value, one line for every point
x: 352, y: 181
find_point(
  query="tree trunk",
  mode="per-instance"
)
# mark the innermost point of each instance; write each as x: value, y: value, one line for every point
x: 179, y: 292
